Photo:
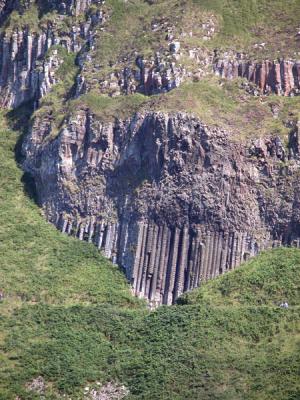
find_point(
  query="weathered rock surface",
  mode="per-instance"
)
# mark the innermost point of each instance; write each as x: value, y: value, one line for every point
x: 37, y: 385
x: 27, y: 65
x: 169, y: 199
x: 70, y: 7
x: 109, y: 391
x: 148, y: 77
x: 157, y: 74
x: 172, y: 201
x: 281, y: 77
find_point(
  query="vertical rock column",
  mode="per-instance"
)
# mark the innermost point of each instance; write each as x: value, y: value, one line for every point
x: 162, y: 262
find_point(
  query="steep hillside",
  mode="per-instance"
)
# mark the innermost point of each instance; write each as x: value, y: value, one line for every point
x: 166, y: 136
x: 143, y: 111
x: 38, y: 264
x: 67, y: 316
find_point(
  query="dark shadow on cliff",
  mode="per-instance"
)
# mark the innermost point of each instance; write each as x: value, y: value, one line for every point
x: 19, y: 120
x: 29, y: 186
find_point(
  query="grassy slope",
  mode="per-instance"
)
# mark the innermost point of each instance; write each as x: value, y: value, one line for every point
x: 68, y: 315
x: 206, y: 99
x: 247, y: 22
x: 241, y: 25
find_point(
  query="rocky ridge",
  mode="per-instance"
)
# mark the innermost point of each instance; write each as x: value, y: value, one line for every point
x: 27, y: 69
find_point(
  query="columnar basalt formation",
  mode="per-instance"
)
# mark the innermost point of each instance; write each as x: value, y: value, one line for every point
x: 69, y: 7
x: 170, y: 200
x: 28, y: 66
x: 144, y: 191
x: 281, y: 77
x: 148, y: 77
x: 159, y: 73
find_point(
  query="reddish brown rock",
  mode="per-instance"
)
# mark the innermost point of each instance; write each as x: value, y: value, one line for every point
x: 280, y: 77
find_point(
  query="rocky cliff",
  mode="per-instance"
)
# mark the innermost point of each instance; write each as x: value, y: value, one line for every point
x: 171, y: 200
x: 28, y: 56
x: 281, y: 77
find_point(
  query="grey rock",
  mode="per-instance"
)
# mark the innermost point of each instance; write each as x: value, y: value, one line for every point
x: 171, y: 200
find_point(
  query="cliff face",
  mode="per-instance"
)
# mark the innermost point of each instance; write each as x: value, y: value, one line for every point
x: 281, y: 77
x: 172, y: 201
x: 28, y: 64
x: 28, y: 68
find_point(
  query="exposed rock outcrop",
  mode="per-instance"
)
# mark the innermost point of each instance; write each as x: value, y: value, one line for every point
x: 27, y: 69
x: 281, y: 77
x: 172, y: 201
x: 144, y: 191
x: 69, y: 7
x: 148, y: 77
x: 154, y: 75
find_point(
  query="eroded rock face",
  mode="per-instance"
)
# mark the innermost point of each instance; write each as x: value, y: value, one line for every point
x: 169, y: 199
x: 148, y: 77
x: 281, y: 77
x: 27, y: 63
x: 70, y: 7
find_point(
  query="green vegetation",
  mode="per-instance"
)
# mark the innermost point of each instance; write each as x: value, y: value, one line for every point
x: 206, y: 99
x: 246, y: 22
x: 55, y: 102
x: 30, y: 18
x: 107, y: 108
x: 68, y: 315
x: 239, y: 25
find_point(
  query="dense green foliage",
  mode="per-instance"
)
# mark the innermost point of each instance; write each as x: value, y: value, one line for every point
x: 68, y: 315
